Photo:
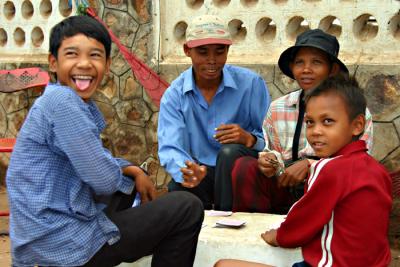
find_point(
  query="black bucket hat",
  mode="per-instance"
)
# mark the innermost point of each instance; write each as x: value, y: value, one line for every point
x: 312, y: 38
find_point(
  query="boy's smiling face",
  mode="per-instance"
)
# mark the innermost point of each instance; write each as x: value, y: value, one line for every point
x: 81, y: 64
x: 311, y: 66
x: 329, y: 127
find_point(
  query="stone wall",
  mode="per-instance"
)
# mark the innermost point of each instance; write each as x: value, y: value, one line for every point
x: 152, y: 30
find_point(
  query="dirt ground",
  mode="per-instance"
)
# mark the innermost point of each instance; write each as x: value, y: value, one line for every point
x: 5, y: 256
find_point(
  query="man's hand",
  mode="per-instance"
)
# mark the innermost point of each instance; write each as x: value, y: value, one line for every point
x: 267, y: 163
x: 294, y: 174
x: 193, y: 174
x: 270, y: 237
x: 234, y: 134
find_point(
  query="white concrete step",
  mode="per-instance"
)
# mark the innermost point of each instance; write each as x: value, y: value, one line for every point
x: 244, y: 243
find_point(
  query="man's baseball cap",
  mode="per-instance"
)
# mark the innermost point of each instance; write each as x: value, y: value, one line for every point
x: 207, y: 29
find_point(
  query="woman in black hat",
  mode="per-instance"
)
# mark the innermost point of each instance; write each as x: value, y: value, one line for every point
x: 287, y: 154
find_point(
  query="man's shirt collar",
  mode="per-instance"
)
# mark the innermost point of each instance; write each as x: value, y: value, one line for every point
x: 189, y: 84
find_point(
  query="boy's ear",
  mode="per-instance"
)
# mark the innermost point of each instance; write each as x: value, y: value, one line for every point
x: 52, y: 63
x: 108, y: 65
x: 186, y: 49
x: 358, y: 125
x: 335, y: 69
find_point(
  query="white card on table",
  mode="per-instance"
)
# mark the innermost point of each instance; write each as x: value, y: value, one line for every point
x: 218, y: 213
x: 233, y: 223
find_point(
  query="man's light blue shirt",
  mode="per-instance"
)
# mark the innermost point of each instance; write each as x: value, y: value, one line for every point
x: 57, y: 166
x: 186, y: 123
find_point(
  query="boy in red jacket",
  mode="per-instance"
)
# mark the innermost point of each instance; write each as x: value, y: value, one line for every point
x: 343, y: 217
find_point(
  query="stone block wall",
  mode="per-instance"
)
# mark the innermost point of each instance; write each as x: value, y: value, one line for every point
x: 154, y: 30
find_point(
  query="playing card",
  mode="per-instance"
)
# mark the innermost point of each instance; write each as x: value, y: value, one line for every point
x: 230, y: 223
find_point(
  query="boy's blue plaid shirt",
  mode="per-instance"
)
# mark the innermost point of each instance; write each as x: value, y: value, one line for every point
x: 57, y: 166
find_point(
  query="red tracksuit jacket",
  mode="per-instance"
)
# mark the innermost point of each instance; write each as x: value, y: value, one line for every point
x: 343, y: 218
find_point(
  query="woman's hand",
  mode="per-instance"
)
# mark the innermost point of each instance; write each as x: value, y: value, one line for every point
x: 267, y: 163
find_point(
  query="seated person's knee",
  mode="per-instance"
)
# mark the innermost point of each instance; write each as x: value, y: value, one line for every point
x: 229, y: 150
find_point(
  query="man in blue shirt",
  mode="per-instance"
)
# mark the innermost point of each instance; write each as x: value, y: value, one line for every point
x: 211, y: 115
x: 59, y: 169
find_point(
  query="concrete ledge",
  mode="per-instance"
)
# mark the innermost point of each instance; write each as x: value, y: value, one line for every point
x: 244, y: 243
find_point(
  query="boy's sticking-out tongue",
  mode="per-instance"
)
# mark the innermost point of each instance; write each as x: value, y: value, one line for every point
x: 82, y: 84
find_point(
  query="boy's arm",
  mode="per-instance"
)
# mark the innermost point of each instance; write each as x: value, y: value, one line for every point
x: 143, y: 183
x: 77, y: 137
x: 173, y: 141
x: 308, y: 216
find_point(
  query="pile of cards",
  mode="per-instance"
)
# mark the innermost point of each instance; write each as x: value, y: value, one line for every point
x: 229, y: 223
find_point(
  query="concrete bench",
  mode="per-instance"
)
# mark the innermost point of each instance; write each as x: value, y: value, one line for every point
x: 244, y: 243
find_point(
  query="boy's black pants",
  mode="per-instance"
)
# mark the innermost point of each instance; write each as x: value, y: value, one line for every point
x: 167, y: 228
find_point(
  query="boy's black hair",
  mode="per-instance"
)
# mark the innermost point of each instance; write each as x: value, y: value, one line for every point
x: 74, y: 25
x: 345, y: 87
